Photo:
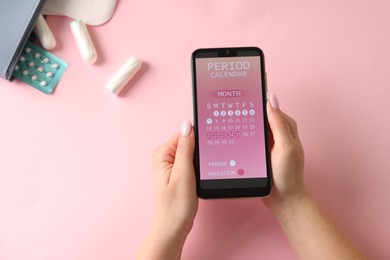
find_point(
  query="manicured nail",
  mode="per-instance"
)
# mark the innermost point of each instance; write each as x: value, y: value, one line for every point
x: 274, y: 101
x: 186, y: 128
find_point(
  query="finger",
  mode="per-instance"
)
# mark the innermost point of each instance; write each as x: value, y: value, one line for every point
x: 183, y: 167
x: 163, y: 159
x: 278, y: 121
x: 292, y: 124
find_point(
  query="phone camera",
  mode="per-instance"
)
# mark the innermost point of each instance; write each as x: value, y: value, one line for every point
x: 227, y: 53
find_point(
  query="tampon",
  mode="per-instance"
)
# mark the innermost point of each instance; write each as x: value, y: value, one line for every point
x: 124, y: 75
x: 44, y: 34
x: 83, y: 40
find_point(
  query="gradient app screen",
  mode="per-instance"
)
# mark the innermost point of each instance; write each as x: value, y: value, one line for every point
x: 230, y: 118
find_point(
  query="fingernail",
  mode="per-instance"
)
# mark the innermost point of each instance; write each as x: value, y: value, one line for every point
x: 274, y: 101
x: 186, y: 128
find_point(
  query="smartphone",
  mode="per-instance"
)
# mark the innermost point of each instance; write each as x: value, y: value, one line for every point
x: 232, y: 156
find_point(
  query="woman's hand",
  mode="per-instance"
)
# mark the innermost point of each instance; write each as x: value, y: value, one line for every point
x: 287, y: 157
x: 175, y: 184
x: 176, y: 199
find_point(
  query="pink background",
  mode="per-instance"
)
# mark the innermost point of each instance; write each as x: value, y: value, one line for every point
x: 75, y: 167
x: 248, y: 152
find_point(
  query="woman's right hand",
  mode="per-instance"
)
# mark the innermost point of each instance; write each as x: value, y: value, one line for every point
x: 287, y: 157
x: 312, y: 234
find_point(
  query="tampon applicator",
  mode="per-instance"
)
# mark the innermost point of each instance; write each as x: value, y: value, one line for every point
x: 44, y: 34
x: 83, y: 40
x: 124, y: 75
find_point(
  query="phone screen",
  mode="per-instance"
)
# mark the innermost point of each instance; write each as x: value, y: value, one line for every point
x: 230, y: 119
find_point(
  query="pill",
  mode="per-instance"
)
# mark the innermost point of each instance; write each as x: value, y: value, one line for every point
x: 49, y: 74
x: 34, y: 77
x: 31, y: 64
x: 17, y: 67
x: 46, y: 60
x: 37, y: 55
x: 124, y: 75
x: 25, y: 72
x: 44, y: 34
x: 27, y: 50
x: 40, y: 69
x: 22, y: 58
x: 55, y: 66
x: 83, y: 40
x: 43, y: 83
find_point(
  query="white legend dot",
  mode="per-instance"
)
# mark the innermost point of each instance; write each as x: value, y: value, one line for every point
x: 209, y: 121
x: 232, y: 163
x: 230, y: 112
x: 252, y: 112
x: 244, y: 112
x: 216, y: 113
x: 238, y: 112
x: 223, y: 113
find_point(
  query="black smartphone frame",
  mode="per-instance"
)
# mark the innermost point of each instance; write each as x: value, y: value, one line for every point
x: 231, y: 188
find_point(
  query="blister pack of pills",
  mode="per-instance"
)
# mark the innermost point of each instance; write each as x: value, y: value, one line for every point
x: 39, y: 68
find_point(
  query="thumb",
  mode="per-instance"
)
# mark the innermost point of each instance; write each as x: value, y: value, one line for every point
x: 184, y: 159
x: 277, y: 120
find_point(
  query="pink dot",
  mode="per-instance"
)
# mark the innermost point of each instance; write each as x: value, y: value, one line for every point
x: 240, y: 172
